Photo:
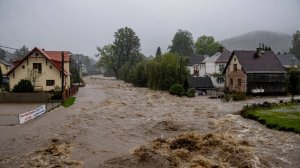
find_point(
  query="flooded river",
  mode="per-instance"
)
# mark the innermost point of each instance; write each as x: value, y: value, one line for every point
x: 111, y: 118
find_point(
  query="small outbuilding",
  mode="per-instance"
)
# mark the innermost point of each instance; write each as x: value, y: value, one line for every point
x: 201, y: 84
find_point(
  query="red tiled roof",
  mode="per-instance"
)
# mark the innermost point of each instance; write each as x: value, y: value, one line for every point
x: 56, y: 55
x: 54, y: 59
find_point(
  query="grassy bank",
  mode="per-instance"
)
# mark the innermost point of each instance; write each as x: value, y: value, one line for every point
x: 69, y: 102
x: 285, y: 116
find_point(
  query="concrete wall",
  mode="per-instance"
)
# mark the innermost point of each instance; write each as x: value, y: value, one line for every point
x: 48, y: 73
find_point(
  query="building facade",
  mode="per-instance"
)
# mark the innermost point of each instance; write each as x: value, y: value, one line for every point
x: 255, y: 72
x: 5, y: 66
x: 43, y: 69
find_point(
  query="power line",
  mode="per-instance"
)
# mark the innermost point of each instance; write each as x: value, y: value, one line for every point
x: 9, y: 47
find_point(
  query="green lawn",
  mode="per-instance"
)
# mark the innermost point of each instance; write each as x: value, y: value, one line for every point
x: 285, y: 118
x: 69, y: 102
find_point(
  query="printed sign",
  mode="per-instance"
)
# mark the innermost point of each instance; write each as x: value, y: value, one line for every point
x: 24, y: 117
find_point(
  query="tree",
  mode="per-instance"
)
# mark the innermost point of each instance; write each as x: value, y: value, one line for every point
x: 207, y: 45
x: 182, y: 43
x: 20, y: 53
x: 2, y: 53
x: 296, y: 44
x: 74, y: 69
x: 158, y: 51
x: 294, y: 81
x: 125, y: 49
x: 108, y: 60
x: 164, y: 71
x: 33, y: 75
x: 126, y: 46
x: 23, y: 86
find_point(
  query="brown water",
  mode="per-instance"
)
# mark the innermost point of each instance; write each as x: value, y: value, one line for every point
x: 111, y: 118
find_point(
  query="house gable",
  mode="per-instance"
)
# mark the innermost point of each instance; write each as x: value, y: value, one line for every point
x: 248, y: 70
x: 47, y: 70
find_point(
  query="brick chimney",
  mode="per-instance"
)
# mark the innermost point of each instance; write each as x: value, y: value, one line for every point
x: 258, y: 53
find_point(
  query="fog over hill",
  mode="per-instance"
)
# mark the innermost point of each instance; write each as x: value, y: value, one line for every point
x: 279, y: 42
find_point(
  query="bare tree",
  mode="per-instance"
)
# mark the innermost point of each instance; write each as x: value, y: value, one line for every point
x: 33, y: 75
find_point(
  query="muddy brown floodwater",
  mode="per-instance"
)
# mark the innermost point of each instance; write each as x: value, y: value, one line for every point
x: 111, y: 119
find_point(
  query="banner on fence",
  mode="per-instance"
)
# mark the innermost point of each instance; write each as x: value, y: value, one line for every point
x: 24, y: 117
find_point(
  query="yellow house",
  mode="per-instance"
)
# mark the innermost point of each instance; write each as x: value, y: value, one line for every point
x: 5, y: 66
x: 43, y: 69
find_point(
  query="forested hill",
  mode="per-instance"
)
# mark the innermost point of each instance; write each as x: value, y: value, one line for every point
x: 279, y: 42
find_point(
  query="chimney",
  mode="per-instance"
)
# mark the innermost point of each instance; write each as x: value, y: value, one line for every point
x: 43, y: 49
x: 258, y: 52
x: 221, y: 49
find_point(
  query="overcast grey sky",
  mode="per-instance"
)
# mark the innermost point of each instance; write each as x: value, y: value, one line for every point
x: 81, y: 25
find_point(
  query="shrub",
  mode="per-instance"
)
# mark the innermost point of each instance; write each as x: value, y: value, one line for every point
x: 191, y: 92
x: 176, y: 89
x: 139, y: 78
x: 56, y: 95
x: 238, y: 96
x: 24, y: 86
x: 227, y: 97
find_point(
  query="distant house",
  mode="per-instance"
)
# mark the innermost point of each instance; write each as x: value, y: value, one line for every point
x: 215, y: 65
x: 45, y: 67
x: 195, y: 65
x: 288, y: 60
x: 201, y: 84
x: 255, y: 72
x: 5, y: 66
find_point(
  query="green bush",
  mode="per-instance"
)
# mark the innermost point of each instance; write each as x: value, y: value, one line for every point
x: 238, y: 96
x: 56, y: 95
x: 139, y: 77
x: 24, y: 86
x: 191, y: 92
x: 227, y: 97
x: 176, y: 89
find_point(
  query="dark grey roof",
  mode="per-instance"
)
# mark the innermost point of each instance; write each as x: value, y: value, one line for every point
x: 224, y: 57
x: 200, y: 82
x: 288, y: 59
x: 5, y: 62
x: 267, y: 62
x: 195, y: 59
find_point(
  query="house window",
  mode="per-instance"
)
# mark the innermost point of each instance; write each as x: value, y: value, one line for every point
x: 38, y: 67
x: 234, y: 59
x: 196, y: 70
x: 23, y: 66
x: 221, y: 67
x: 235, y: 67
x: 36, y: 54
x: 239, y: 82
x: 231, y: 81
x: 220, y: 80
x: 50, y: 82
x: 50, y: 66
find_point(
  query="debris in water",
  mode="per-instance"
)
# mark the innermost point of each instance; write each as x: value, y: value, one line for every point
x: 57, y: 154
x: 195, y: 150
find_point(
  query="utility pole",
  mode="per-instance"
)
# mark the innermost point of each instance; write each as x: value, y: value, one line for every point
x: 62, y: 75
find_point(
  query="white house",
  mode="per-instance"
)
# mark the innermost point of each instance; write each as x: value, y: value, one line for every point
x: 215, y: 65
x: 196, y: 66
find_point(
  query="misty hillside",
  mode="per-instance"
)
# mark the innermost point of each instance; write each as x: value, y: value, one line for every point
x: 279, y: 42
